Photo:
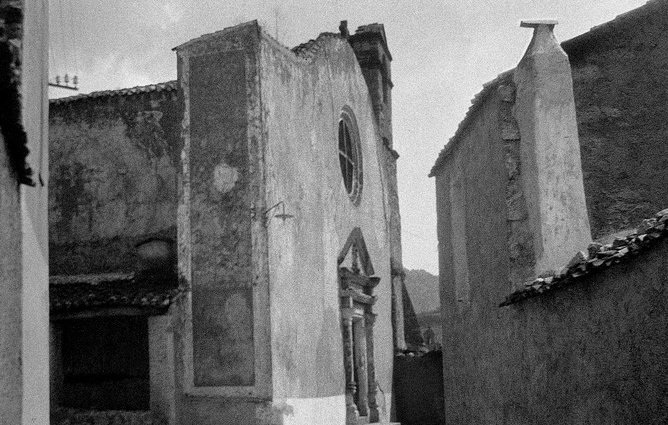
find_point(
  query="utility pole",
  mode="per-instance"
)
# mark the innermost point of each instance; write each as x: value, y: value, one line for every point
x: 66, y: 82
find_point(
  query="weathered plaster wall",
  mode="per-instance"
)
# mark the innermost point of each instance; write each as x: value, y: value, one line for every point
x: 222, y: 341
x: 34, y: 200
x: 621, y: 97
x: 220, y: 222
x: 24, y: 367
x: 470, y: 328
x: 10, y: 302
x: 302, y: 101
x: 248, y: 102
x: 593, y: 353
x: 375, y: 61
x: 114, y: 166
x: 551, y: 173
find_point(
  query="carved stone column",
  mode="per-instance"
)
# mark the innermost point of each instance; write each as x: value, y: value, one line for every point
x: 370, y: 319
x: 352, y: 414
x: 359, y: 335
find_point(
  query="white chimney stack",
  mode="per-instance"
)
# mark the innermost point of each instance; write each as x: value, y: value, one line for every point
x: 549, y: 150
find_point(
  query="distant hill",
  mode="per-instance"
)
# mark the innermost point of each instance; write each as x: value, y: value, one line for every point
x: 423, y: 290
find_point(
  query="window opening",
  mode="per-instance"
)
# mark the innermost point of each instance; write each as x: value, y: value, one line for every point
x: 350, y: 159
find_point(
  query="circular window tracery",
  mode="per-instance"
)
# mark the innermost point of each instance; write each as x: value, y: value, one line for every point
x: 350, y: 155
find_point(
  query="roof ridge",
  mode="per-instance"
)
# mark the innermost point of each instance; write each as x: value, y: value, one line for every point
x: 566, y: 45
x: 171, y: 85
x: 476, y: 102
x: 310, y: 48
x: 214, y: 34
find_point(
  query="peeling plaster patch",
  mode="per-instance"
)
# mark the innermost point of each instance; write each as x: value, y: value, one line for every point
x: 225, y: 177
x: 314, y: 139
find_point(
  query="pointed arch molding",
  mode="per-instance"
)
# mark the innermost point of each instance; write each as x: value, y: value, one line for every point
x: 356, y: 244
x: 356, y: 285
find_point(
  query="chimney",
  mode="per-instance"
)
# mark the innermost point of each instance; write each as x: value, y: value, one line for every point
x: 343, y: 29
x: 550, y: 151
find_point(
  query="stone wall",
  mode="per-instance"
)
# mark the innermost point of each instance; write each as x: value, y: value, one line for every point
x: 222, y: 367
x: 114, y: 166
x: 621, y: 97
x: 474, y: 267
x: 594, y: 352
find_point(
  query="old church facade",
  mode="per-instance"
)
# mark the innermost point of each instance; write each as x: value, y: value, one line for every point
x: 234, y: 233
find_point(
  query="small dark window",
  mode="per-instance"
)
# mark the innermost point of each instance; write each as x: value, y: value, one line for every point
x: 350, y: 155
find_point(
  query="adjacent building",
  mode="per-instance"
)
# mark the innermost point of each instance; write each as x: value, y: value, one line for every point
x: 24, y: 390
x: 226, y: 246
x: 567, y: 147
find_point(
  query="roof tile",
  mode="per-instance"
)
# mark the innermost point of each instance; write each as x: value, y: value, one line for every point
x: 600, y: 258
x: 83, y: 292
x: 159, y: 87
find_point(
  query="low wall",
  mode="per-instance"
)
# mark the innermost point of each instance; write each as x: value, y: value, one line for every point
x: 418, y: 389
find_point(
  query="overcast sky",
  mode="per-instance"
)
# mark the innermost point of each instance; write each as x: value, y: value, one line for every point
x: 443, y: 51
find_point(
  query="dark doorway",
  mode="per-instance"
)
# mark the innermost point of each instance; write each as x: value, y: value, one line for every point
x: 105, y: 363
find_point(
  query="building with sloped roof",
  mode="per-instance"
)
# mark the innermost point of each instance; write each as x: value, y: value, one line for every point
x: 225, y: 248
x: 552, y: 284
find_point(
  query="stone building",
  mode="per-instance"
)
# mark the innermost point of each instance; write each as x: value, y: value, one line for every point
x: 24, y: 320
x: 568, y: 146
x: 225, y: 248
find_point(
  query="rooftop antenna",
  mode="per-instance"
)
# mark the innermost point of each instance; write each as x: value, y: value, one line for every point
x: 65, y: 82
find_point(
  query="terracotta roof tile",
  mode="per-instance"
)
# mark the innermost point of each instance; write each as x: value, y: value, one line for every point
x: 599, y: 257
x: 83, y: 292
x: 159, y: 87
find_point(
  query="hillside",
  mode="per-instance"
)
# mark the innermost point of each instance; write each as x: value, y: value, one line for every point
x: 423, y: 290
